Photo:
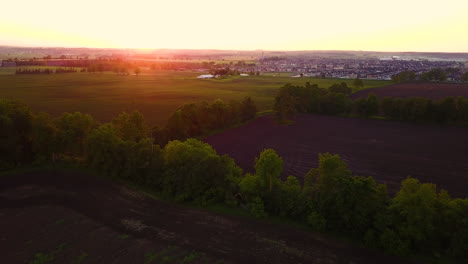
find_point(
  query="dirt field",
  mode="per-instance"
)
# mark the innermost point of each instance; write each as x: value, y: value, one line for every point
x: 417, y: 89
x: 388, y: 151
x: 75, y: 218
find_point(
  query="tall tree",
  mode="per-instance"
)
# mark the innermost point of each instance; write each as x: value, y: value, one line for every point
x: 268, y: 168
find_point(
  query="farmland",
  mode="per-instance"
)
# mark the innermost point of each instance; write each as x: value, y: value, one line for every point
x: 389, y: 151
x: 417, y: 89
x: 155, y: 94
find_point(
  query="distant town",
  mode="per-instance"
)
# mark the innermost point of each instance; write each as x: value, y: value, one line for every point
x: 320, y: 64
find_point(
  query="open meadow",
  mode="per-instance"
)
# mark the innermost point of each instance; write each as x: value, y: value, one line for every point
x: 155, y: 94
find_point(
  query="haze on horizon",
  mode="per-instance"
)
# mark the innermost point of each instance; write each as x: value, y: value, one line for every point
x: 398, y: 25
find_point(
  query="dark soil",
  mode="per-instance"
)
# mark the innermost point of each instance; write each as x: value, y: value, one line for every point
x: 429, y: 90
x: 77, y: 218
x: 386, y: 150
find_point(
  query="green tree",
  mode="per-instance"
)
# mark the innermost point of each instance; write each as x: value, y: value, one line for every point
x: 131, y: 126
x: 414, y: 213
x: 292, y: 198
x: 15, y: 133
x: 105, y: 149
x: 366, y: 107
x: 268, y: 167
x: 248, y: 109
x: 464, y: 77
x: 44, y: 137
x: 358, y: 83
x: 194, y: 171
x: 285, y: 104
x: 340, y: 88
x: 73, y: 130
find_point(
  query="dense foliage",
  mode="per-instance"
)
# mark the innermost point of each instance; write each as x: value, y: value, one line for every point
x: 419, y: 219
x: 197, y: 119
x: 436, y: 74
x: 312, y: 99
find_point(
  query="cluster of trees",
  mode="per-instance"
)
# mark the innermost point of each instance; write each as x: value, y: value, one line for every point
x: 197, y: 119
x: 331, y: 199
x: 28, y: 137
x: 417, y: 219
x: 404, y: 76
x: 65, y: 70
x: 45, y: 71
x: 465, y: 77
x: 312, y: 99
x: 342, y: 88
x: 334, y: 101
x: 34, y: 71
x: 449, y: 110
x: 436, y: 74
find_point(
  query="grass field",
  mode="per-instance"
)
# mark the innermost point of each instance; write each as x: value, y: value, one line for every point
x: 156, y: 94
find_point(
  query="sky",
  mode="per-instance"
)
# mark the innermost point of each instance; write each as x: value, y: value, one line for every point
x: 372, y: 25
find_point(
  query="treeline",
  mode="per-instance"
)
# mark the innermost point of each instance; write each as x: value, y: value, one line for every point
x: 197, y: 119
x: 27, y: 137
x: 436, y: 74
x: 335, y: 101
x: 45, y: 71
x: 417, y: 220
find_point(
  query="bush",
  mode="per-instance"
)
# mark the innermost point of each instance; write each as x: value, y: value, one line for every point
x: 316, y: 221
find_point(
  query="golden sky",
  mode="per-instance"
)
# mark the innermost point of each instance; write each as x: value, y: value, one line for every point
x: 396, y: 25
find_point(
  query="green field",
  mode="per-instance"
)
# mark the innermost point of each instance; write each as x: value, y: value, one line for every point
x: 155, y: 94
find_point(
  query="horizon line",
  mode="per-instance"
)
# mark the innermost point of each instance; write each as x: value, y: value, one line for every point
x: 207, y: 49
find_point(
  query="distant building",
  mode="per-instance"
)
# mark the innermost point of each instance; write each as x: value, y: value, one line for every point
x: 206, y: 76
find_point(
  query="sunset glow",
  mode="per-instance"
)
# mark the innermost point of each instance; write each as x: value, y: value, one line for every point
x: 398, y: 25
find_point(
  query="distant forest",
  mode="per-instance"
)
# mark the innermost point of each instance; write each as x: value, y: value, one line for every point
x: 417, y: 220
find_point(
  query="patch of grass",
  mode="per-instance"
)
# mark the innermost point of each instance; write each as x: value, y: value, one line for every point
x: 162, y: 256
x: 150, y: 257
x: 283, y: 248
x: 124, y: 236
x: 60, y: 221
x: 41, y: 258
x: 191, y: 257
x: 79, y: 259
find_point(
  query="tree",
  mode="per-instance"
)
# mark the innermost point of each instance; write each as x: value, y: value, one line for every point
x: 358, y: 83
x: 73, y: 130
x: 366, y: 107
x: 15, y: 133
x: 292, y: 202
x: 341, y: 202
x: 268, y: 167
x: 285, y: 104
x: 248, y: 109
x: 414, y: 209
x: 340, y: 88
x: 465, y: 77
x: 131, y: 126
x: 137, y: 71
x: 44, y: 137
x: 193, y: 171
x: 105, y: 150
